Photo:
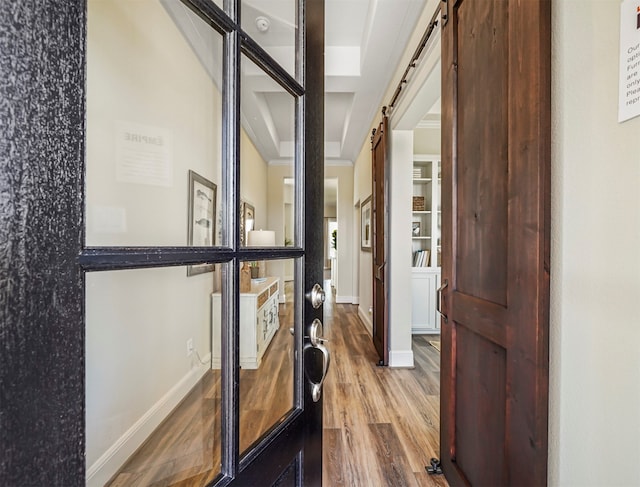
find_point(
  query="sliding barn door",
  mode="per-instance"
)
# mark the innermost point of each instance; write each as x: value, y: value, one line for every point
x: 379, y: 243
x: 495, y: 300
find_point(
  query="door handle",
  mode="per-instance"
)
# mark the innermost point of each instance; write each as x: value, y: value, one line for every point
x: 380, y: 272
x: 445, y: 283
x: 317, y: 342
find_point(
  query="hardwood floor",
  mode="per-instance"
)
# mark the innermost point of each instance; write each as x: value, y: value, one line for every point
x: 185, y: 449
x: 381, y: 425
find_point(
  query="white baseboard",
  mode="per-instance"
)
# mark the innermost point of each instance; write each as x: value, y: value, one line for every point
x: 366, y: 320
x: 112, y: 460
x: 355, y: 300
x: 423, y: 330
x: 401, y: 358
x: 344, y: 299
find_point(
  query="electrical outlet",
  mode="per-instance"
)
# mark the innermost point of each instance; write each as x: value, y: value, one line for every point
x: 189, y: 347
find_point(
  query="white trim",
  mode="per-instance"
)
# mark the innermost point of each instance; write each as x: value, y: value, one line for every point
x: 426, y: 157
x: 110, y: 461
x: 344, y: 299
x: 338, y: 162
x: 366, y: 321
x: 355, y: 300
x: 424, y: 330
x: 401, y: 358
x: 287, y: 161
x: 428, y: 124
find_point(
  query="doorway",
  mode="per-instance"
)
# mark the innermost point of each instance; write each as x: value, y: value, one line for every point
x: 331, y: 231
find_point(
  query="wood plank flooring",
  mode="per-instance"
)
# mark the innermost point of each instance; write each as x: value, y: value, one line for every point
x: 185, y: 450
x: 381, y: 425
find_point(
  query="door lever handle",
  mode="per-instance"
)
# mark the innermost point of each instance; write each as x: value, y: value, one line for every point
x: 316, y: 387
x: 317, y: 342
x: 445, y: 283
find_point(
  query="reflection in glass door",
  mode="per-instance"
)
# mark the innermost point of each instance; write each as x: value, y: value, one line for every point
x: 153, y: 178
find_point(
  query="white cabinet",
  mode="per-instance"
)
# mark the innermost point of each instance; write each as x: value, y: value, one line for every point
x: 425, y: 282
x: 258, y: 322
x: 426, y: 218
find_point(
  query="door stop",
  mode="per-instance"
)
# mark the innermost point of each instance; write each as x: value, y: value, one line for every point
x: 435, y: 468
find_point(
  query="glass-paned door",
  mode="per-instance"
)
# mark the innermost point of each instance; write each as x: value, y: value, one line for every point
x: 203, y: 365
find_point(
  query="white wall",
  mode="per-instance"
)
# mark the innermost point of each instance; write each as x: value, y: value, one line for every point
x: 362, y: 190
x: 427, y: 141
x: 279, y: 194
x: 399, y: 260
x: 253, y: 190
x: 347, y: 231
x: 594, y: 427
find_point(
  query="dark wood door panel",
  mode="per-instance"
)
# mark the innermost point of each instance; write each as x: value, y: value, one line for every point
x: 482, y: 317
x: 480, y: 408
x: 482, y: 53
x: 496, y: 220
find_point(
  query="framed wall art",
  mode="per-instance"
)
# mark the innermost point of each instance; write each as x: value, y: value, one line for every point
x: 365, y: 225
x: 201, y: 217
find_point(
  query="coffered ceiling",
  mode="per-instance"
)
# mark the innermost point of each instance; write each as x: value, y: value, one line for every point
x: 364, y: 40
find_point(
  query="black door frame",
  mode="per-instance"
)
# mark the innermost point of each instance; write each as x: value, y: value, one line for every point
x: 42, y: 157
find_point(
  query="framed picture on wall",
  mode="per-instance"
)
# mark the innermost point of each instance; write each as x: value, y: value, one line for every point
x: 365, y: 225
x: 249, y: 217
x: 201, y: 218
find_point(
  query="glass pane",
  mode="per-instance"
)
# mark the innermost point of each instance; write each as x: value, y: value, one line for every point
x: 267, y: 307
x: 273, y: 25
x: 267, y: 150
x: 153, y: 399
x: 154, y: 113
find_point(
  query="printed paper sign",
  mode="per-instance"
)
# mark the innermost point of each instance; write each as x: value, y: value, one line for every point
x: 143, y: 154
x: 629, y: 95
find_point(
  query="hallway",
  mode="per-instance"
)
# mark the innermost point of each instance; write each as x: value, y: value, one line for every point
x: 381, y: 425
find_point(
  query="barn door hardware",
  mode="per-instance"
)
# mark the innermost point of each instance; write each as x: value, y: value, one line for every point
x: 444, y: 12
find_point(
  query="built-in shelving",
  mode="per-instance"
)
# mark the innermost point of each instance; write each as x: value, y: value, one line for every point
x: 426, y: 221
x: 426, y: 215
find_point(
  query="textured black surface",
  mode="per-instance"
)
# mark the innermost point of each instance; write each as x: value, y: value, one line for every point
x: 314, y: 197
x: 41, y: 333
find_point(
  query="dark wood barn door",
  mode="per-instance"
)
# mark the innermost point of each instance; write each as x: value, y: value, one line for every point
x: 496, y: 164
x: 380, y: 315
